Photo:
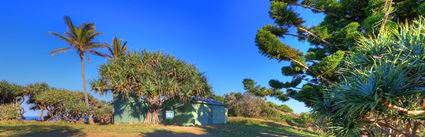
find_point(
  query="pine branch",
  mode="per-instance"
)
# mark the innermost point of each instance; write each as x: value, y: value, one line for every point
x: 401, y: 109
x: 311, y: 71
x: 388, y: 4
x: 316, y: 9
x: 312, y: 34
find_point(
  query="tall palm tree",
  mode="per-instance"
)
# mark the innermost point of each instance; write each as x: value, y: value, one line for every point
x: 117, y: 49
x: 80, y: 39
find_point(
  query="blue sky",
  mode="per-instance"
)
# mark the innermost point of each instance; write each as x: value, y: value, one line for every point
x: 217, y: 36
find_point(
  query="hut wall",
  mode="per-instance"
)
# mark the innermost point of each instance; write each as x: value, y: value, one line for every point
x: 128, y: 110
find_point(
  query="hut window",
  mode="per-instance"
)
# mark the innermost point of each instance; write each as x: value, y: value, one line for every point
x: 169, y: 114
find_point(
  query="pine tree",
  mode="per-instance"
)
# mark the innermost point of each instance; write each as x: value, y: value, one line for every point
x: 331, y: 40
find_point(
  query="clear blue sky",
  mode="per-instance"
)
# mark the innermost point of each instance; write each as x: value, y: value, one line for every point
x: 217, y: 36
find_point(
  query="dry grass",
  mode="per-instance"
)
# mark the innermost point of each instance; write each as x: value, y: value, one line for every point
x: 237, y: 127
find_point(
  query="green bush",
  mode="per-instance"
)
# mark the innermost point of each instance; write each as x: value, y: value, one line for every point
x: 305, y: 119
x: 103, y: 113
x: 9, y: 112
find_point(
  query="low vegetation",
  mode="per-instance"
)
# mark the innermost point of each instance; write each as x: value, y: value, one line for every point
x: 249, y: 105
x: 9, y: 112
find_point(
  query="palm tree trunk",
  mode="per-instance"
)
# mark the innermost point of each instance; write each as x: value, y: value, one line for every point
x: 86, y: 96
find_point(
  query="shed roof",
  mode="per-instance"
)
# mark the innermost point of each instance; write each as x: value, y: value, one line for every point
x: 207, y: 101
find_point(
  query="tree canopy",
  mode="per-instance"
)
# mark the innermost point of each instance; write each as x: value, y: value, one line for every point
x: 9, y: 92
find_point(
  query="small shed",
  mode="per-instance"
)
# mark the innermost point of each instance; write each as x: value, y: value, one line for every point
x: 199, y: 111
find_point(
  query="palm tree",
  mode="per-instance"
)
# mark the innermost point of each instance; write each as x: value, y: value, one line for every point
x: 117, y: 49
x: 80, y: 39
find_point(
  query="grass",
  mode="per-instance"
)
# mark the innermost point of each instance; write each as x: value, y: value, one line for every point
x: 242, y: 127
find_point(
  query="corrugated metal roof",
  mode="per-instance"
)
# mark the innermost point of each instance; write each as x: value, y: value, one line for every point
x: 207, y: 101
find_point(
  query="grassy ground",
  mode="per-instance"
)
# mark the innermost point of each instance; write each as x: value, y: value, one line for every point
x: 242, y: 127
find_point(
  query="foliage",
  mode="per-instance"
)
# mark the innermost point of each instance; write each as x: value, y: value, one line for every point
x: 9, y: 92
x: 9, y: 112
x: 69, y: 106
x: 305, y: 119
x: 382, y: 88
x: 249, y: 105
x: 231, y: 101
x: 331, y: 40
x: 103, y: 112
x: 31, y: 91
x: 81, y: 39
x: 64, y: 104
x: 283, y: 107
x: 117, y: 49
x: 155, y: 77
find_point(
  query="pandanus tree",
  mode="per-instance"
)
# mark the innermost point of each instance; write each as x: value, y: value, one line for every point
x: 32, y: 90
x: 154, y: 77
x: 81, y: 39
x: 383, y: 85
x: 11, y: 98
x: 63, y: 104
x: 117, y: 49
x: 11, y: 93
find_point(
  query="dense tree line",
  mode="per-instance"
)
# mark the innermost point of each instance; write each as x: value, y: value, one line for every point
x: 60, y: 104
x: 249, y: 105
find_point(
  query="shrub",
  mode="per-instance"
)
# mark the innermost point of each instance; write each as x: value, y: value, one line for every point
x: 103, y: 113
x: 9, y: 112
x: 64, y: 104
x: 305, y: 119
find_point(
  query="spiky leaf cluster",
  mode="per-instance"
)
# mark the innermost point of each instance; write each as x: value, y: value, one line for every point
x: 382, y: 84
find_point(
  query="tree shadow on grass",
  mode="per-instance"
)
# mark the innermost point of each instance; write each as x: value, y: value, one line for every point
x: 40, y: 131
x: 167, y: 133
x: 246, y: 129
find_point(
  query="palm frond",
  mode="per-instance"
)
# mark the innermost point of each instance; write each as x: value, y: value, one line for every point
x: 60, y: 36
x: 59, y: 50
x: 97, y: 53
x: 69, y: 23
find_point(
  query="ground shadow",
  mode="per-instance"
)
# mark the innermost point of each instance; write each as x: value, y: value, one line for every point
x: 247, y: 129
x: 41, y: 131
x: 167, y: 133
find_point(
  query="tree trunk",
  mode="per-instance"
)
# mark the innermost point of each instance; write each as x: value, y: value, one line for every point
x: 86, y: 96
x: 152, y: 117
x: 154, y: 104
x: 41, y: 115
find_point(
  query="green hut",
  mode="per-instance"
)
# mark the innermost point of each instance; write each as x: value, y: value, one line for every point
x: 198, y: 111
